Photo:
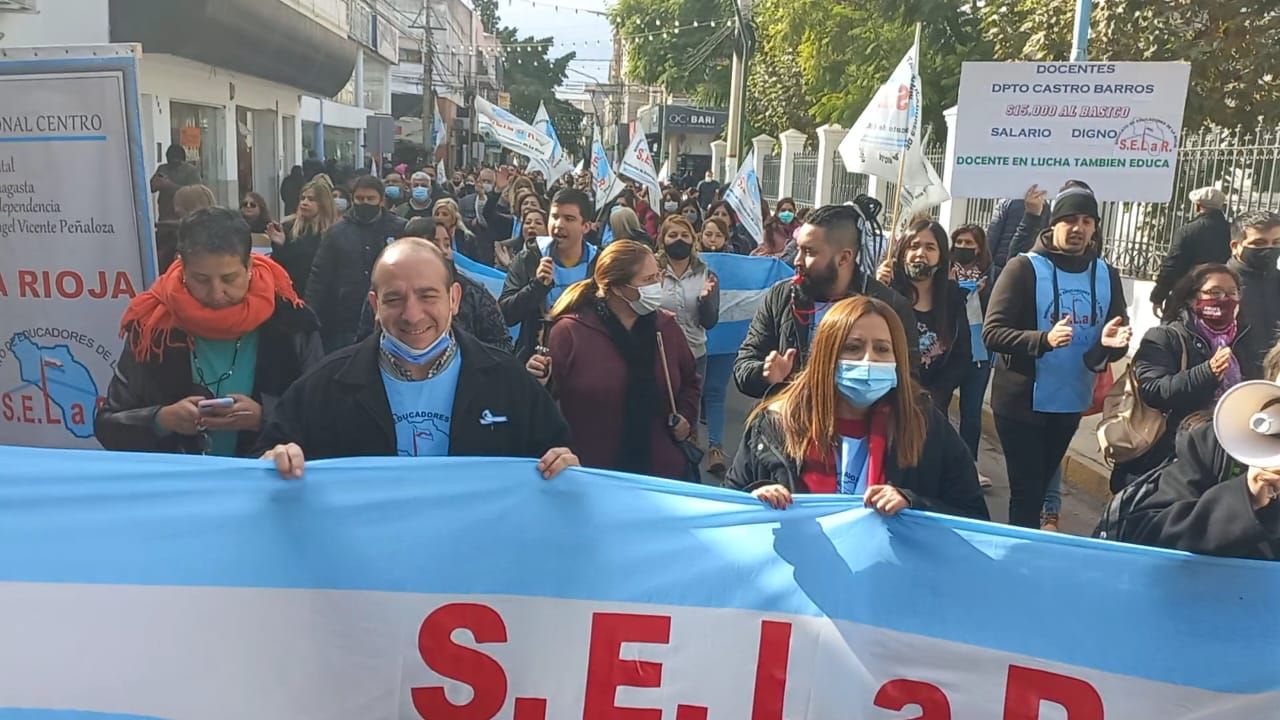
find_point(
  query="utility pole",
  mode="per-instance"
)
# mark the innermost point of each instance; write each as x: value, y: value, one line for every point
x: 428, y: 103
x: 1080, y: 41
x: 742, y: 47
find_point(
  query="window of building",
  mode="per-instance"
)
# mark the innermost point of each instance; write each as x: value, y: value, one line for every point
x: 201, y: 131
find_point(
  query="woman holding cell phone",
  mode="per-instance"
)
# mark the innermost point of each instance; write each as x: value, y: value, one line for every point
x: 208, y: 348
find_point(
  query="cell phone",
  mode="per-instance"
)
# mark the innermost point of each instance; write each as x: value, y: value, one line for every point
x: 222, y: 402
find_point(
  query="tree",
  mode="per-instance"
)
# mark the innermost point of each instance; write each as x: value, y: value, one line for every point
x: 815, y: 62
x: 845, y: 51
x: 488, y: 11
x: 694, y: 61
x: 531, y: 77
x: 1230, y: 44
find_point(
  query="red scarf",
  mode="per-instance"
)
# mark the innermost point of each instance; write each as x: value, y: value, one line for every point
x: 820, y: 470
x: 167, y: 305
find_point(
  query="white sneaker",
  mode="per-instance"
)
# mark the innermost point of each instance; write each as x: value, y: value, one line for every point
x: 983, y: 481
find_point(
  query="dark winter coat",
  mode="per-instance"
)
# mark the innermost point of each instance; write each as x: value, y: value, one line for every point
x: 589, y: 377
x: 339, y: 284
x: 340, y: 409
x: 1200, y: 503
x: 296, y: 256
x: 1011, y: 330
x: 1206, y: 239
x: 1260, y: 311
x: 776, y: 327
x: 944, y: 480
x: 288, y: 346
x: 1164, y: 384
x: 1004, y: 226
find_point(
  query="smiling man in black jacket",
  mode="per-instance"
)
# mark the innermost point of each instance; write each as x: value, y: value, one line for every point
x: 777, y: 343
x: 419, y: 387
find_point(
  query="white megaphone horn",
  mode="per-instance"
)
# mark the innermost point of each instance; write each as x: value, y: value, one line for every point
x: 1247, y: 423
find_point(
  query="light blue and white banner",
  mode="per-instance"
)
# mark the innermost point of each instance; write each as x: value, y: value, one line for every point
x: 511, y: 132
x: 390, y: 589
x: 491, y: 278
x: 744, y: 281
x: 743, y: 196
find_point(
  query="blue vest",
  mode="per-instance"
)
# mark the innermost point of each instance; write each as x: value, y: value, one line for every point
x: 1064, y: 384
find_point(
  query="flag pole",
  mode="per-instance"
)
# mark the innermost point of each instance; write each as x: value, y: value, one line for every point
x: 902, y: 154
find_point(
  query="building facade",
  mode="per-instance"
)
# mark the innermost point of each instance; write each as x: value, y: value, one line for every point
x: 230, y: 81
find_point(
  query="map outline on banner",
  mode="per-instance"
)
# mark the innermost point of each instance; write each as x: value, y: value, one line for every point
x: 61, y: 375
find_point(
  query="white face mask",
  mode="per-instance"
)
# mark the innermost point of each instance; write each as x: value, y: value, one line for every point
x: 340, y: 204
x: 650, y: 298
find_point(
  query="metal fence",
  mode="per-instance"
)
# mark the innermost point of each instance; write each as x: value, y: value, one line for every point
x: 1245, y: 164
x: 805, y: 179
x: 769, y: 180
x: 846, y: 185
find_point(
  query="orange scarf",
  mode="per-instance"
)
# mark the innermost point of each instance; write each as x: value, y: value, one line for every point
x: 167, y: 305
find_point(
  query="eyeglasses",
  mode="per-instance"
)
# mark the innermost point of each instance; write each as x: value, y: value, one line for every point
x: 249, y: 204
x: 1216, y: 294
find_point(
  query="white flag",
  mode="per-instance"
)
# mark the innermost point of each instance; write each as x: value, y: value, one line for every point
x: 664, y: 172
x: 889, y: 126
x: 440, y: 176
x: 637, y: 164
x: 557, y: 165
x: 603, y: 180
x: 917, y: 198
x: 743, y: 196
x: 513, y: 133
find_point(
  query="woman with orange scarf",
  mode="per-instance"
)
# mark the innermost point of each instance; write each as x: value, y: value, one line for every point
x: 208, y: 348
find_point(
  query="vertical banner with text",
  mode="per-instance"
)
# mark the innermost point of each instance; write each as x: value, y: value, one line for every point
x: 72, y: 260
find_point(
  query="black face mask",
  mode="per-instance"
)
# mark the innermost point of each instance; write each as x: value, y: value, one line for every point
x: 365, y: 214
x: 964, y: 256
x: 1260, y: 259
x: 679, y: 250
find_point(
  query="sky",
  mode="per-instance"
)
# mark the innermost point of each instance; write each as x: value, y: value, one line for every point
x: 555, y: 18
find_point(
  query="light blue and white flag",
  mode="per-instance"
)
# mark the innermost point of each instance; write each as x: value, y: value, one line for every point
x: 637, y: 164
x: 743, y: 196
x: 491, y: 278
x: 513, y: 133
x: 744, y: 281
x: 603, y: 180
x: 383, y: 588
x: 437, y: 129
x: 557, y: 165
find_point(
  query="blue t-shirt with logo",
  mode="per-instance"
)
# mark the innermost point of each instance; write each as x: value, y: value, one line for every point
x: 422, y: 411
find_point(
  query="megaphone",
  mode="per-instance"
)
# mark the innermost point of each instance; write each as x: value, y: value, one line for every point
x: 1247, y: 423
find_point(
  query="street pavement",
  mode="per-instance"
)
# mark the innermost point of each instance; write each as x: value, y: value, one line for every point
x: 1080, y: 511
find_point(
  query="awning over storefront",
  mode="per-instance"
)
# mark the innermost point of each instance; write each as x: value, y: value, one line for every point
x: 265, y: 38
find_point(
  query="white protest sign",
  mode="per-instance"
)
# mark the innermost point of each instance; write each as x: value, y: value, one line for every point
x: 637, y: 164
x: 1114, y: 125
x: 72, y: 261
